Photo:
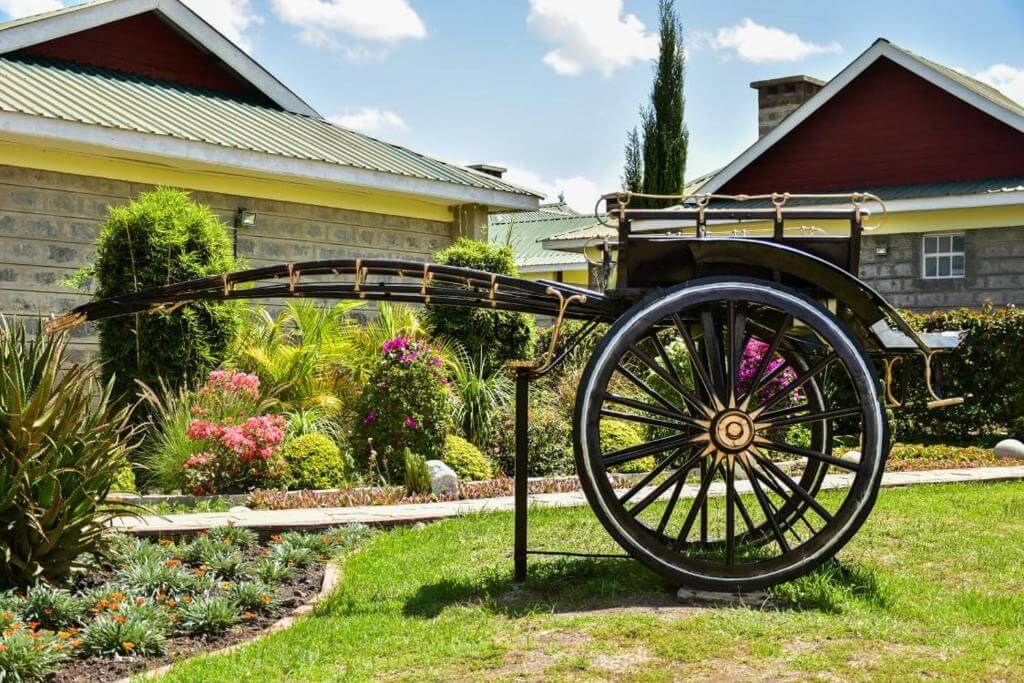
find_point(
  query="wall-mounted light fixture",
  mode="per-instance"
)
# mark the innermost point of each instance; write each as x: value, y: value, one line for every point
x: 245, y: 218
x: 882, y: 250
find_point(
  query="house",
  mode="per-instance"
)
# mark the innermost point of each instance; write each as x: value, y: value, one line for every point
x: 101, y: 101
x: 524, y: 232
x: 943, y: 150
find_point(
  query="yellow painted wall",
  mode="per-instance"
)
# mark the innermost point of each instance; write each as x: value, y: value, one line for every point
x: 213, y: 179
x: 572, y: 277
x: 909, y: 221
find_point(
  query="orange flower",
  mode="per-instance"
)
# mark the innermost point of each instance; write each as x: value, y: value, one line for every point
x: 172, y: 603
x: 33, y: 625
x: 119, y: 619
x: 128, y: 646
x: 2, y: 648
x: 265, y: 599
x: 63, y: 635
x: 173, y: 563
x: 275, y: 538
x: 187, y: 598
x: 117, y: 597
x: 140, y: 601
x: 47, y: 611
x: 165, y: 541
x: 7, y: 615
x: 248, y: 615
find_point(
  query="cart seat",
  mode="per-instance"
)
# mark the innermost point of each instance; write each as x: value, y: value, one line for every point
x: 894, y: 340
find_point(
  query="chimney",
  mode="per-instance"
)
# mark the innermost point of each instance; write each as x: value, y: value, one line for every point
x: 489, y: 169
x: 778, y: 97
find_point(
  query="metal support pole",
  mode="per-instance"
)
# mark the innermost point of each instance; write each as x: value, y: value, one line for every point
x: 522, y: 448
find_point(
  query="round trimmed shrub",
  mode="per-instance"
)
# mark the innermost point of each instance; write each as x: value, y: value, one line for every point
x: 405, y: 404
x: 549, y: 439
x: 315, y: 462
x: 497, y: 336
x: 618, y: 434
x: 468, y: 461
x: 161, y: 238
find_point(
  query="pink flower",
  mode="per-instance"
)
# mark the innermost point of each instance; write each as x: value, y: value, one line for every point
x: 396, y: 344
x: 411, y: 423
x: 370, y: 418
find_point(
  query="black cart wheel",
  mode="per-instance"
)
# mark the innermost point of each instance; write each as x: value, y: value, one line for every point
x: 747, y: 396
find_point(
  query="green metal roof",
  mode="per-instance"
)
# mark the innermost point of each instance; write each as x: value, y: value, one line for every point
x: 110, y: 99
x: 524, y: 230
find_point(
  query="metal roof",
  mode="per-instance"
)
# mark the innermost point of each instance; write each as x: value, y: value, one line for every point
x: 110, y: 99
x: 524, y: 230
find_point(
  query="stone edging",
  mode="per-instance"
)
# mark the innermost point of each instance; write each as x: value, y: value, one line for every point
x: 332, y: 577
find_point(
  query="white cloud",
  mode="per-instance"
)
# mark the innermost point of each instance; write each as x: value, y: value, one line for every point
x: 16, y: 9
x: 580, y: 193
x: 370, y: 120
x: 755, y: 43
x: 322, y: 22
x: 1006, y: 79
x: 591, y: 35
x: 233, y: 18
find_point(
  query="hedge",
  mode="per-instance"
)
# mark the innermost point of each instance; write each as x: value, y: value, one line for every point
x: 986, y: 370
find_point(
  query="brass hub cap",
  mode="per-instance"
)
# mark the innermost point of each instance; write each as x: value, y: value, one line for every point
x: 732, y: 431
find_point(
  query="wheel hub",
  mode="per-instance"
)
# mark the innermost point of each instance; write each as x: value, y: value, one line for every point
x: 732, y: 431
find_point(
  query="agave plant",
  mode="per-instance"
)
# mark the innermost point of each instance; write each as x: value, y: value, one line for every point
x: 62, y: 444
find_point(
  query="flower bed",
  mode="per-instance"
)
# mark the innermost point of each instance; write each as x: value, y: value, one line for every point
x: 156, y: 602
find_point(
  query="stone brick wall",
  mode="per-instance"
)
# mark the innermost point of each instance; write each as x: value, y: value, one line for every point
x: 994, y: 270
x: 49, y: 223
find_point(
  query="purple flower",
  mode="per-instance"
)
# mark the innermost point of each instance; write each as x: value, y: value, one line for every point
x: 370, y: 418
x: 396, y: 344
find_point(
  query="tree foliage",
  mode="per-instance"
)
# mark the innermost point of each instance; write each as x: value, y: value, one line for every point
x: 496, y: 336
x: 664, y: 137
x: 633, y: 173
x: 161, y: 238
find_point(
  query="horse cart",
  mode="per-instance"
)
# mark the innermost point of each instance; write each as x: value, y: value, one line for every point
x: 758, y: 367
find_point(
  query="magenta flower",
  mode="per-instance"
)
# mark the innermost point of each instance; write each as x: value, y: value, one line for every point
x: 370, y: 418
x: 411, y: 423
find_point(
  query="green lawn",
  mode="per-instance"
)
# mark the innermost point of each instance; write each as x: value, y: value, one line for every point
x: 933, y: 586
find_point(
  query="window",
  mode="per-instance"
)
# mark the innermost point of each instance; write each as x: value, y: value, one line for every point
x: 943, y: 256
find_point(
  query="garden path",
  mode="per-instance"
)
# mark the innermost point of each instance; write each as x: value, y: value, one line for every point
x: 269, y: 521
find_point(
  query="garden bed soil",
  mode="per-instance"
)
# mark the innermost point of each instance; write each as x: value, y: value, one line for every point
x: 302, y: 589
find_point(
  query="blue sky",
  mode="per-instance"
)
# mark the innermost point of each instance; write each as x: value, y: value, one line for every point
x: 548, y: 88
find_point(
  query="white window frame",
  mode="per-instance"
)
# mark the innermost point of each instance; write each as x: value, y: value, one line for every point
x: 936, y: 255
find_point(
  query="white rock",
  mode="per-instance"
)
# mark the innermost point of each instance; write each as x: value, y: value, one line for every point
x: 239, y: 509
x: 852, y: 456
x: 1010, y: 449
x: 443, y: 480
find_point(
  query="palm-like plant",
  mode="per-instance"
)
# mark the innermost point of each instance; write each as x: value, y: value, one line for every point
x: 62, y: 445
x: 299, y: 353
x: 480, y: 395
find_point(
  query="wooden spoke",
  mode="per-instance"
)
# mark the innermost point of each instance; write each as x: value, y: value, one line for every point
x: 793, y: 486
x: 681, y: 473
x: 650, y: 448
x: 642, y: 385
x: 766, y: 360
x: 633, y: 417
x: 695, y: 358
x: 687, y: 395
x: 669, y: 365
x: 713, y: 355
x: 813, y: 417
x: 650, y: 476
x: 730, y: 511
x: 807, y: 453
x: 800, y: 380
x: 736, y: 332
x: 673, y: 414
x: 707, y: 476
x: 766, y: 506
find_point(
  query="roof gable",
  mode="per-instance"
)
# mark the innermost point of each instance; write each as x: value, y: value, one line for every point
x: 153, y: 38
x: 945, y: 127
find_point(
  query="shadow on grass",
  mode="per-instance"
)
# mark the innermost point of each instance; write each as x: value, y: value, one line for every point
x: 589, y: 584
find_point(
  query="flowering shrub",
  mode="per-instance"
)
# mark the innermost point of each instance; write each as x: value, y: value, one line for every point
x: 406, y: 403
x: 750, y: 361
x: 231, y: 450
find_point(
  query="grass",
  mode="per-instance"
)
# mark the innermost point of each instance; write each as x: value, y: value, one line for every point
x: 933, y: 586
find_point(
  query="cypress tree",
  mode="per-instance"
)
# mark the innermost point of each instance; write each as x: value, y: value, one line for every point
x: 665, y: 137
x: 633, y: 173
